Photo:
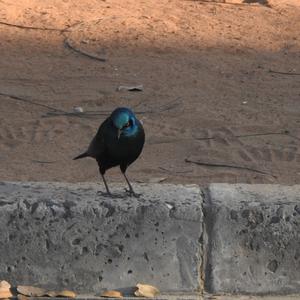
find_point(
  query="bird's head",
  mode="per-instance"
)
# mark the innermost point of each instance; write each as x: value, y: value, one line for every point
x: 124, y: 121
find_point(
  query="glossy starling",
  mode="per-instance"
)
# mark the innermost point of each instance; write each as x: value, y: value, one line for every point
x: 118, y: 142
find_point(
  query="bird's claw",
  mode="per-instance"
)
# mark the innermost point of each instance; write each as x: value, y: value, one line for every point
x: 104, y: 194
x: 132, y: 193
x: 108, y: 195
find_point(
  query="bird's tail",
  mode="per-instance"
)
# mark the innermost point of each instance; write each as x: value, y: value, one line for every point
x: 85, y: 154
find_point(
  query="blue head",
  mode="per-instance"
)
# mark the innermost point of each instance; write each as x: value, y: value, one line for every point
x: 125, y: 121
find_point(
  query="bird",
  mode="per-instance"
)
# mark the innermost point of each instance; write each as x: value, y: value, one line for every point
x: 119, y: 141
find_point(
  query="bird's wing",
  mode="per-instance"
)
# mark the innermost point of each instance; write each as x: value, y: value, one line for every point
x: 97, y: 145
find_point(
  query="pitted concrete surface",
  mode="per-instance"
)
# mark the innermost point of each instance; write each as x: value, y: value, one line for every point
x: 184, y: 296
x: 253, y: 239
x: 69, y: 236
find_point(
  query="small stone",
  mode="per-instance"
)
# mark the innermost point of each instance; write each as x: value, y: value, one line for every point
x: 145, y: 290
x: 5, y: 295
x: 31, y: 291
x: 22, y: 297
x: 169, y: 206
x: 112, y: 294
x: 4, y: 286
x: 64, y: 293
x: 5, y: 290
x: 157, y: 179
x: 131, y: 88
x: 78, y: 109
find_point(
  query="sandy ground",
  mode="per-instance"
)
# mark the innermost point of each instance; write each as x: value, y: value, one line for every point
x: 295, y: 297
x: 206, y: 297
x: 213, y: 88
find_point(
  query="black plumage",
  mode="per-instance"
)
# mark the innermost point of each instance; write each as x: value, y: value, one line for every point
x: 118, y: 142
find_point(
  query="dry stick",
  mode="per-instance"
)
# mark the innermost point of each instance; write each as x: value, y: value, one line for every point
x: 74, y: 114
x: 111, y: 79
x: 32, y: 102
x: 43, y: 161
x: 32, y: 27
x: 284, y: 73
x: 227, y: 166
x: 254, y: 134
x: 230, y: 3
x: 204, y: 139
x: 69, y: 46
x: 172, y: 172
x: 285, y: 132
x: 55, y: 111
x: 259, y: 134
x: 89, y: 114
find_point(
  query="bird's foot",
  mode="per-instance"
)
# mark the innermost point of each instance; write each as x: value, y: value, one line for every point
x: 104, y: 194
x: 108, y: 195
x: 132, y: 193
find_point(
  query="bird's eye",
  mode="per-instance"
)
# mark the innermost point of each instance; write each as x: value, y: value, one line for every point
x: 126, y: 125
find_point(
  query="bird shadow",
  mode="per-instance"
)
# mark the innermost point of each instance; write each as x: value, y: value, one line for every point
x: 262, y: 2
x: 110, y: 195
x: 127, y: 194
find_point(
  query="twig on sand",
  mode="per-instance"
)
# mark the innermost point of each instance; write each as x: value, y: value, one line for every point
x: 88, y: 114
x: 231, y: 3
x: 205, y: 138
x: 284, y: 73
x: 285, y: 132
x: 31, y: 102
x: 226, y: 166
x: 174, y: 172
x: 43, y: 161
x: 32, y: 27
x: 92, y: 114
x: 53, y: 111
x: 84, y: 53
x: 261, y: 134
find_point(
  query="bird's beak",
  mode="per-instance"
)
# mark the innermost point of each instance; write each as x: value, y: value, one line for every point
x: 119, y: 133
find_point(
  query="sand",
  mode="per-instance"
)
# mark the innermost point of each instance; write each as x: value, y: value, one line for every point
x: 221, y: 86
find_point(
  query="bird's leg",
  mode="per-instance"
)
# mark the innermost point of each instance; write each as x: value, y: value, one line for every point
x: 105, y: 183
x: 131, y: 191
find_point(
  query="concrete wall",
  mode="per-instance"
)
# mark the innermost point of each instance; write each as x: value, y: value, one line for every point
x: 253, y: 241
x: 227, y: 238
x: 69, y: 236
